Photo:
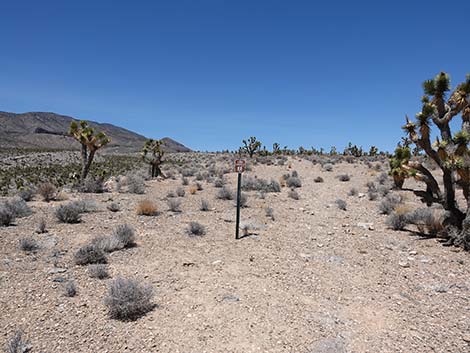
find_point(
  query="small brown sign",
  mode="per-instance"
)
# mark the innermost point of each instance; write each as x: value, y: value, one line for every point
x: 240, y: 165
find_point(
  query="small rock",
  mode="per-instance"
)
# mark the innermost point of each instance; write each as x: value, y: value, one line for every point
x: 57, y: 270
x: 217, y: 262
x: 366, y: 226
x: 230, y: 298
x: 404, y: 264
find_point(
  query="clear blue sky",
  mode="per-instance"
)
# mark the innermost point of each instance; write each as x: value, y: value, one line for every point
x: 211, y: 72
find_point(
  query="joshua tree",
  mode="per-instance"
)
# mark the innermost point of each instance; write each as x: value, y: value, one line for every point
x: 90, y: 141
x: 251, y: 146
x: 276, y: 148
x: 152, y: 153
x: 449, y: 152
x: 400, y: 158
x: 373, y: 151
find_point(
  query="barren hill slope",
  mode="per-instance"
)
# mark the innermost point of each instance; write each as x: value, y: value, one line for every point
x: 49, y: 131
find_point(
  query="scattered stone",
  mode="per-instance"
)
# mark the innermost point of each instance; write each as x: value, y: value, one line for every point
x: 404, y: 264
x: 366, y: 226
x: 230, y: 298
x: 57, y: 270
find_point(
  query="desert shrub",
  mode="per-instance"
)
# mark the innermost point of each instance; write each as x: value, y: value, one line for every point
x: 225, y: 194
x: 426, y: 221
x: 353, y: 192
x: 47, y: 191
x: 180, y: 192
x: 18, y: 343
x: 135, y: 184
x: 85, y: 206
x: 18, y: 207
x: 170, y: 194
x: 294, y: 174
x: 318, y: 179
x: 28, y: 244
x: 184, y: 181
x: 7, y: 216
x: 382, y: 178
x: 128, y: 299
x: 257, y: 184
x: 243, y: 200
x: 70, y: 289
x: 219, y: 182
x: 27, y: 194
x: 371, y: 186
x: 372, y: 195
x: 89, y: 254
x: 247, y: 228
x: 197, y: 229
x: 269, y: 213
x: 388, y: 204
x: 293, y: 182
x: 344, y: 177
x: 397, y: 220
x: 328, y: 167
x: 192, y: 189
x: 205, y: 206
x: 174, y: 205
x: 125, y: 236
x: 92, y: 185
x: 199, y: 187
x: 342, y: 205
x: 146, y: 208
x: 383, y: 190
x: 114, y: 207
x: 42, y: 225
x: 68, y: 213
x: 99, y: 271
x: 293, y: 194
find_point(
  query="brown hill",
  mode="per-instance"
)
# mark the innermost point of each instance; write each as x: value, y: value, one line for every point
x: 49, y: 131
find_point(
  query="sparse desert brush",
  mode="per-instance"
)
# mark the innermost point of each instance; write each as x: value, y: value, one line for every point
x: 7, y: 216
x: 69, y: 213
x: 174, y: 205
x: 282, y: 182
x: 397, y: 221
x: 318, y: 179
x: 18, y: 343
x: 293, y: 182
x: 89, y: 254
x: 247, y: 228
x: 196, y: 229
x: 225, y: 194
x: 372, y: 195
x: 146, y: 208
x: 114, y: 207
x: 388, y: 204
x: 128, y: 299
x: 344, y: 177
x: 219, y: 182
x: 193, y: 189
x: 171, y: 194
x: 328, y: 167
x: 124, y: 235
x: 180, y: 192
x: 293, y: 194
x: 205, y: 206
x: 18, y: 207
x: 99, y: 271
x: 47, y: 191
x: 199, y: 187
x: 70, y: 289
x: 27, y: 194
x: 342, y: 205
x: 243, y: 200
x: 382, y: 178
x: 184, y: 181
x: 269, y: 213
x: 92, y: 185
x: 257, y: 184
x: 353, y: 192
x: 42, y: 225
x: 28, y: 244
x: 427, y: 221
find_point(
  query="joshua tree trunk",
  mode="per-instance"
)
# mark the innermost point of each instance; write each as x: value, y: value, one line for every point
x: 87, y: 164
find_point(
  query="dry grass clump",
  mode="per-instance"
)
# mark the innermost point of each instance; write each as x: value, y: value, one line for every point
x: 69, y: 213
x: 174, y: 205
x: 205, y: 206
x: 89, y: 254
x: 47, y: 191
x: 128, y: 299
x: 193, y: 189
x: 99, y: 271
x: 28, y: 244
x: 146, y: 208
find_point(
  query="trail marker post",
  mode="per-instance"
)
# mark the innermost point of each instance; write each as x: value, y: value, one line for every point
x: 240, y: 165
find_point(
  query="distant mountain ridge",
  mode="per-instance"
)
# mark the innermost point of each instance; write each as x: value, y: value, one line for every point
x: 45, y: 130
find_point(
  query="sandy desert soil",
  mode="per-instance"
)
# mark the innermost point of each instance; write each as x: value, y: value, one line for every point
x: 314, y: 279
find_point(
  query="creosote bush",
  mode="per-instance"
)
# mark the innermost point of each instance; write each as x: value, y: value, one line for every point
x: 7, y: 216
x: 293, y: 182
x: 27, y: 194
x: 89, y: 254
x: 225, y: 194
x: 318, y: 179
x: 388, y: 204
x: 28, y: 244
x: 128, y: 299
x: 174, y: 205
x: 42, y: 226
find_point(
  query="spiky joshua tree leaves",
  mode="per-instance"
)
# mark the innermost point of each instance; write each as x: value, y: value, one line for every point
x: 251, y: 146
x: 399, y: 159
x: 152, y: 153
x: 90, y: 140
x: 450, y: 152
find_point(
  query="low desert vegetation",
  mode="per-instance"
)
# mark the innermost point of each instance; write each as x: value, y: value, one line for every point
x: 70, y: 289
x: 90, y: 254
x: 18, y: 343
x: 196, y: 229
x: 99, y: 271
x: 28, y: 244
x: 128, y: 299
x: 146, y: 208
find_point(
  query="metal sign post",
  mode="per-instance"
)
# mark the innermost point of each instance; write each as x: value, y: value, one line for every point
x: 239, y: 168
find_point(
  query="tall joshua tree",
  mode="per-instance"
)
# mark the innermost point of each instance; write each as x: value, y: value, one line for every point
x: 152, y: 153
x: 251, y: 146
x: 90, y: 141
x: 450, y: 152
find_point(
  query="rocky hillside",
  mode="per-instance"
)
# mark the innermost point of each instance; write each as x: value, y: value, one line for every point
x: 49, y: 131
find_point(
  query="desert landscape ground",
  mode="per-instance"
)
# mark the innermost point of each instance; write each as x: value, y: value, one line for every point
x: 310, y: 274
